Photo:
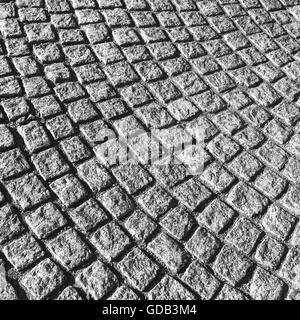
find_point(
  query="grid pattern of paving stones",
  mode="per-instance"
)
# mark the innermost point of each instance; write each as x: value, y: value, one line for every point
x: 74, y: 225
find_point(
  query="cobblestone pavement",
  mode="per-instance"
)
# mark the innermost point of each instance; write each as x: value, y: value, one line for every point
x: 75, y: 226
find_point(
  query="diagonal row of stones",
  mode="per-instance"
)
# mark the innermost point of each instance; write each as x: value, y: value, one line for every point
x: 74, y: 225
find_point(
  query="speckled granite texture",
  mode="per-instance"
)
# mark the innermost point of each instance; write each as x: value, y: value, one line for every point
x: 76, y: 225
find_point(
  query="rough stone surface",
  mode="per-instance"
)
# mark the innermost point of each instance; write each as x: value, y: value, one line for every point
x: 43, y: 279
x: 94, y: 200
x: 201, y: 280
x: 138, y: 268
x: 69, y: 249
x: 110, y: 240
x: 10, y: 224
x: 23, y: 252
x: 28, y: 191
x: 170, y: 289
x: 97, y: 280
x: 45, y: 220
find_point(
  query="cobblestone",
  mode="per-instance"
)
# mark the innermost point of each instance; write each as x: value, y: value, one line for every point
x: 12, y: 163
x: 265, y: 286
x: 117, y: 202
x: 278, y: 222
x: 60, y: 127
x: 75, y: 149
x: 23, y: 252
x: 178, y: 222
x: 50, y: 163
x: 7, y: 292
x: 138, y: 269
x: 255, y: 115
x: 16, y: 108
x: 170, y: 289
x: 88, y: 215
x: 28, y: 191
x: 231, y: 265
x: 45, y: 220
x: 69, y: 189
x: 247, y: 200
x: 81, y: 110
x: 217, y: 216
x: 291, y: 200
x: 269, y: 253
x: 290, y: 269
x: 7, y: 139
x: 223, y: 148
x: 243, y: 235
x: 132, y: 176
x: 48, y: 52
x: 43, y: 279
x: 83, y: 83
x: 270, y: 183
x: 230, y: 293
x: 26, y: 66
x: 156, y: 201
x: 217, y: 177
x: 10, y: 224
x: 95, y: 175
x: 124, y: 293
x: 69, y: 249
x: 295, y: 237
x: 246, y: 166
x: 34, y: 135
x: 203, y: 245
x: 192, y: 194
x: 97, y: 280
x: 140, y: 225
x: 110, y: 240
x: 69, y: 293
x: 46, y: 106
x: 169, y: 252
